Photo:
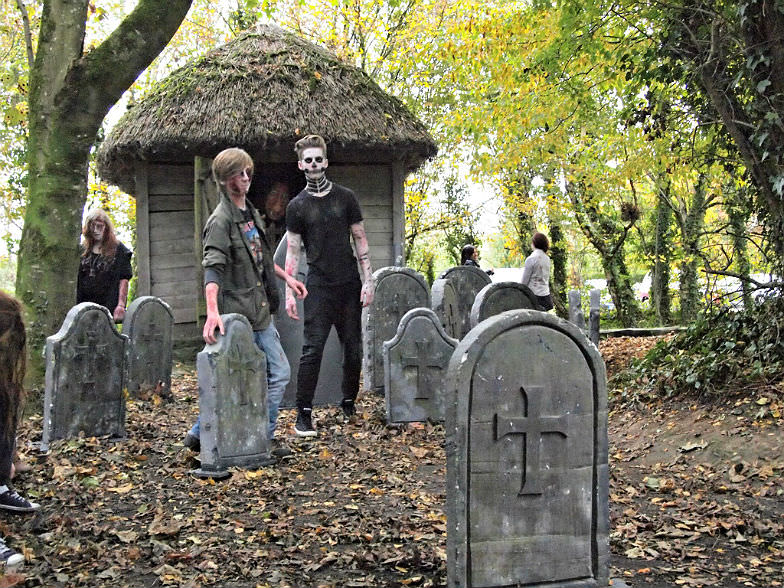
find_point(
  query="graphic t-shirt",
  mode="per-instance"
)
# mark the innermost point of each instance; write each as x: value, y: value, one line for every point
x: 252, y: 235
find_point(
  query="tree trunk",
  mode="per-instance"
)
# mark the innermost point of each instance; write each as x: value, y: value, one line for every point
x: 738, y: 218
x: 692, y: 222
x: 558, y: 255
x: 662, y: 248
x: 70, y: 94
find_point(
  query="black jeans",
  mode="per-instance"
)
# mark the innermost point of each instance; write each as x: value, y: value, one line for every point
x: 323, y: 308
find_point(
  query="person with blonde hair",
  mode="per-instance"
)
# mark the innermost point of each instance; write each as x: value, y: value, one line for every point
x: 239, y: 276
x: 105, y: 266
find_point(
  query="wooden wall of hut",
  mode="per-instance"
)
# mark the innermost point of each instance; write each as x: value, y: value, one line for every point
x: 168, y: 254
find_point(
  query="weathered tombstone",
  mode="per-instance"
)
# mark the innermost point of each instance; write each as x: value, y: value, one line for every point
x: 398, y: 290
x: 328, y: 389
x: 527, y: 456
x: 444, y: 303
x: 415, y: 363
x: 148, y: 325
x: 594, y: 316
x: 467, y: 281
x: 85, y: 376
x: 576, y: 316
x: 499, y: 297
x: 233, y: 400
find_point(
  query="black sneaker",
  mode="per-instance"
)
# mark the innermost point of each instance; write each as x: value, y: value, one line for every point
x: 349, y: 410
x: 192, y: 442
x: 279, y: 450
x: 10, y: 559
x: 304, y: 424
x: 10, y: 500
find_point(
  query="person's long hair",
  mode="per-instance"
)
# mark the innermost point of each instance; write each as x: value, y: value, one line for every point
x: 13, y: 340
x: 109, y: 243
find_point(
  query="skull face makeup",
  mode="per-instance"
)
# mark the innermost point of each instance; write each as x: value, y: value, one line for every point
x: 97, y: 228
x: 313, y: 162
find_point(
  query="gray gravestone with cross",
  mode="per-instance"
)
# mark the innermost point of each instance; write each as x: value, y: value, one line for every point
x: 328, y: 389
x: 415, y: 363
x: 148, y: 325
x: 499, y: 297
x: 467, y: 281
x: 527, y: 456
x: 398, y: 290
x: 85, y: 376
x: 444, y: 303
x: 233, y: 399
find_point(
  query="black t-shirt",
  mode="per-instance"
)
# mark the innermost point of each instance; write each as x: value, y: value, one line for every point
x: 99, y: 277
x: 325, y: 225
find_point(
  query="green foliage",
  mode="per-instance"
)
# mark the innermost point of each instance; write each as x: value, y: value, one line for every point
x: 720, y: 352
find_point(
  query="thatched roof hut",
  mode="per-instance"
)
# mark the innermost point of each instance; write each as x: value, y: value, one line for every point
x: 262, y: 92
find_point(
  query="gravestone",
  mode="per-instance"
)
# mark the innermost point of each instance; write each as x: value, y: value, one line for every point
x: 328, y: 390
x: 398, y: 290
x: 148, y: 325
x: 232, y: 375
x: 85, y: 376
x: 444, y: 302
x: 594, y: 316
x: 467, y: 281
x: 415, y: 363
x: 576, y: 316
x: 527, y: 456
x: 499, y: 297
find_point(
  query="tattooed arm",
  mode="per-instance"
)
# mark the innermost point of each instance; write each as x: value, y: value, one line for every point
x: 292, y: 264
x: 363, y: 255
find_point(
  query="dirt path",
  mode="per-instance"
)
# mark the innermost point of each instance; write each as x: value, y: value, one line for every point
x: 696, y: 499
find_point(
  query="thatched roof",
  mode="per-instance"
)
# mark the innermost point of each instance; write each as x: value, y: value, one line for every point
x: 262, y: 91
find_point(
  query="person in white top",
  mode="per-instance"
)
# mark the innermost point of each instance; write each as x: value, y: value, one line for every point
x: 536, y: 272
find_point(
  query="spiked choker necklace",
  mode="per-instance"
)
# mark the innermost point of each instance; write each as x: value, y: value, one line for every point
x: 319, y: 186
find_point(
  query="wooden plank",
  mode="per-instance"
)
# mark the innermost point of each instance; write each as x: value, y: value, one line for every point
x: 398, y: 211
x: 170, y: 247
x: 378, y: 225
x: 371, y: 183
x: 175, y: 288
x: 170, y: 202
x: 174, y: 232
x: 180, y: 260
x: 377, y: 211
x: 142, y: 230
x: 171, y: 179
x: 184, y: 315
x: 179, y: 275
x: 163, y: 221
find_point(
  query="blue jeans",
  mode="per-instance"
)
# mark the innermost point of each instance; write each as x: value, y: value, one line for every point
x: 278, y: 375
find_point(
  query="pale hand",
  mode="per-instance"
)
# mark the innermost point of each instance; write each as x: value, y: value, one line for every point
x: 119, y: 313
x: 368, y: 292
x: 213, y: 322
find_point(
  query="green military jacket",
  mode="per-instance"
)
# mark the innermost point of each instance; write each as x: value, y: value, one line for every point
x: 245, y: 288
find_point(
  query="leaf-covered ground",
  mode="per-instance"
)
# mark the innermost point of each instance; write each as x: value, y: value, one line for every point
x: 696, y: 500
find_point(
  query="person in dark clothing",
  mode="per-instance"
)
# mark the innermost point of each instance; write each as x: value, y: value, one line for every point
x: 13, y: 341
x: 469, y: 255
x: 105, y: 266
x: 325, y: 217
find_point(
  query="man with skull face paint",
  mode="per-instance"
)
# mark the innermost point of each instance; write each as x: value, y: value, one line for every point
x: 324, y: 217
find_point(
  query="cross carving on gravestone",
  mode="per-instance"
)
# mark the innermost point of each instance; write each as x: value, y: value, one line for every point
x: 420, y: 360
x: 153, y: 334
x: 395, y: 309
x: 88, y: 355
x: 532, y: 425
x: 236, y: 364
